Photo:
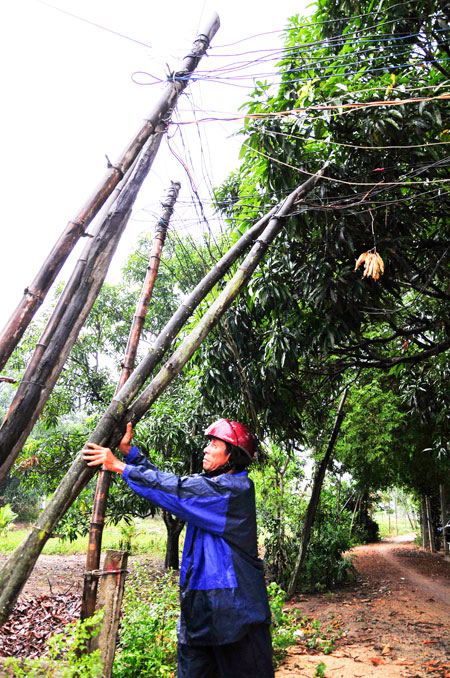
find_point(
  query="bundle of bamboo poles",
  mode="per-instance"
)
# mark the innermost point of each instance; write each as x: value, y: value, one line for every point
x: 122, y: 409
x: 156, y: 120
x: 73, y: 307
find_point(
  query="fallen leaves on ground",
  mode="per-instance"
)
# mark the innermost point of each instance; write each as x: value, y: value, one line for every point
x: 376, y: 661
x: 34, y: 620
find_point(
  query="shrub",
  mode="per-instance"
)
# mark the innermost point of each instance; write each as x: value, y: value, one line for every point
x: 325, y: 565
x: 7, y: 515
x: 148, y: 639
x: 290, y: 627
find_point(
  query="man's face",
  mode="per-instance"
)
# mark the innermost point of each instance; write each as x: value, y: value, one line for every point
x: 215, y: 454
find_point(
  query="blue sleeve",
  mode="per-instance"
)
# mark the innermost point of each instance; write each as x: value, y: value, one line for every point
x: 196, y: 499
x: 136, y: 458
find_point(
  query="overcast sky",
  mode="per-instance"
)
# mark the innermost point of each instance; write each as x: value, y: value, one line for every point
x: 69, y: 99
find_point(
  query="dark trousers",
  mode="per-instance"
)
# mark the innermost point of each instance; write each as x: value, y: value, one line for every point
x: 250, y: 657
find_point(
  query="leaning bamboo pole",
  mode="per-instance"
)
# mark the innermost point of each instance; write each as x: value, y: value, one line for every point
x: 190, y: 344
x: 69, y: 316
x: 148, y: 285
x: 35, y: 293
x: 17, y: 569
x: 104, y: 477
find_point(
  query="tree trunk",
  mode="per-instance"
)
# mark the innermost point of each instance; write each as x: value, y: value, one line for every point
x: 443, y: 499
x: 424, y: 523
x: 35, y: 293
x: 408, y: 515
x: 396, y: 512
x: 429, y: 515
x: 315, y: 497
x: 109, y: 429
x: 174, y: 526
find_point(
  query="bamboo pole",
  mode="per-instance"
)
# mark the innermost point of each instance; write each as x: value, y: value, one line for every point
x: 108, y: 431
x: 69, y: 316
x: 110, y: 601
x: 149, y: 282
x: 167, y: 335
x: 104, y: 476
x: 315, y: 497
x: 35, y: 293
x: 190, y: 344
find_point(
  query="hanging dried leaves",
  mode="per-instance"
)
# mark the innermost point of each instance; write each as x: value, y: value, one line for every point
x: 373, y: 264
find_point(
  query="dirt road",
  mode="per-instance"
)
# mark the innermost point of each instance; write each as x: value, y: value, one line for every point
x: 395, y: 617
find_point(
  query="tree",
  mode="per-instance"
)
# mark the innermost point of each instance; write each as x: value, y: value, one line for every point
x: 386, y: 187
x: 369, y: 93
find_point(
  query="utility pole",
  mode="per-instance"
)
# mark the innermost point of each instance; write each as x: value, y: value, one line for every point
x: 110, y: 428
x: 35, y: 293
x: 69, y: 316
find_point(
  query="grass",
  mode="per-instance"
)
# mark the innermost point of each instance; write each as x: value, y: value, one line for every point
x: 150, y: 537
x: 382, y: 519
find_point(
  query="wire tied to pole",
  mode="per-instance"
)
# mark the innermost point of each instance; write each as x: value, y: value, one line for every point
x: 103, y: 573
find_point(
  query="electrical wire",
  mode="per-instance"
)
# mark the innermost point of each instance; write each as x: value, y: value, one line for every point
x: 322, y: 23
x: 317, y: 107
x: 355, y: 146
x: 342, y: 181
x: 92, y: 23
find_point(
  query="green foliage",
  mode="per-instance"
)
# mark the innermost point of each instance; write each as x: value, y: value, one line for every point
x: 7, y: 515
x: 320, y: 669
x: 23, y: 500
x: 147, y: 640
x: 67, y: 656
x: 290, y: 627
x: 151, y: 540
x: 280, y: 508
x: 129, y: 532
x: 307, y: 317
x: 395, y: 432
x: 325, y: 565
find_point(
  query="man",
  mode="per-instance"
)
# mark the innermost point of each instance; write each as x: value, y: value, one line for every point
x: 223, y: 630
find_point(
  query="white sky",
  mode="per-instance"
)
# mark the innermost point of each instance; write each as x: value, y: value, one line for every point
x: 68, y: 99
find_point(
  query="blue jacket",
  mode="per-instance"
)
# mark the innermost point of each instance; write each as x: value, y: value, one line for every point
x: 222, y: 587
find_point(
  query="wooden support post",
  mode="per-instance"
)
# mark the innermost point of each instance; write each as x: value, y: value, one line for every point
x: 112, y: 582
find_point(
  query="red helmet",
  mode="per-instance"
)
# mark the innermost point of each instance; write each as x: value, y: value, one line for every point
x: 235, y: 433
